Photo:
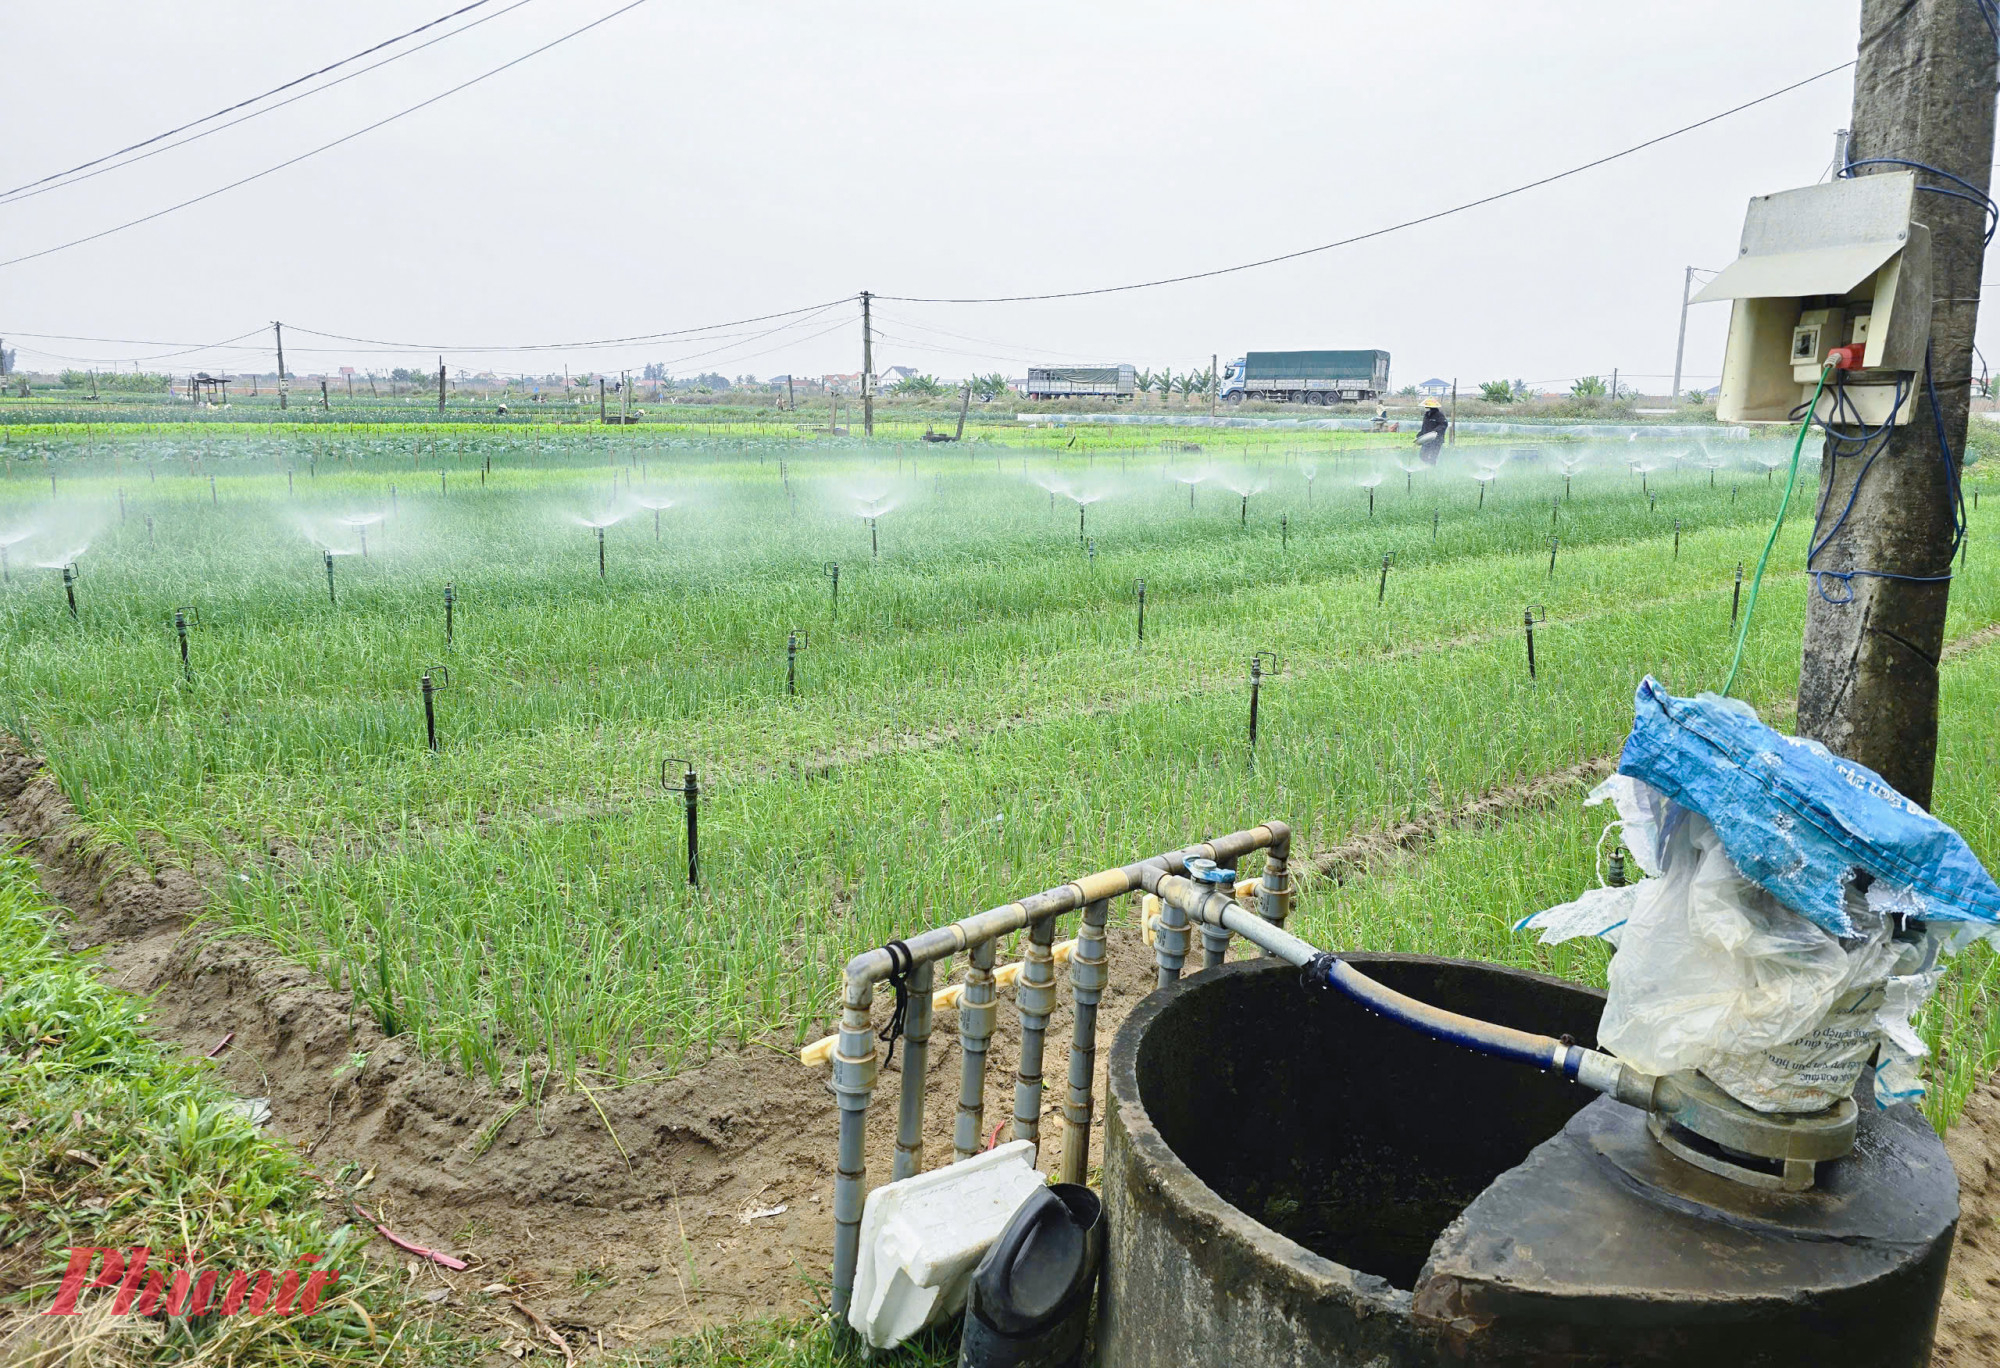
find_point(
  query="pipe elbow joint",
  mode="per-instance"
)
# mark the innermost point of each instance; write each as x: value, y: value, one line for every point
x: 1280, y: 847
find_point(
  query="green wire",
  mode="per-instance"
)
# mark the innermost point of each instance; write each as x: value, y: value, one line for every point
x: 1791, y: 479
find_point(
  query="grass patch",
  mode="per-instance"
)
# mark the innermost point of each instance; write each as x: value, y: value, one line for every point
x: 109, y: 1139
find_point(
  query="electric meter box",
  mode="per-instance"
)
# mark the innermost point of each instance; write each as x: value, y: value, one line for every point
x: 1826, y: 266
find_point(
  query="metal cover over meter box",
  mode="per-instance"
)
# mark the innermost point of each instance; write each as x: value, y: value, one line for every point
x: 1822, y: 267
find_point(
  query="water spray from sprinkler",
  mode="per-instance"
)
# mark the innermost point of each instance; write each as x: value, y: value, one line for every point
x: 1191, y: 481
x: 599, y: 523
x: 1309, y: 469
x: 869, y: 508
x: 656, y: 503
x: 361, y: 522
x: 8, y: 541
x: 1243, y: 493
x: 1369, y: 482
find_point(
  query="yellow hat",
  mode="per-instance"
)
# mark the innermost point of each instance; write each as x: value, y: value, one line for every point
x: 1432, y: 403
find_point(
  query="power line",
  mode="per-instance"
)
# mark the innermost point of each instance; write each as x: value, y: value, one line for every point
x: 186, y: 348
x: 254, y: 99
x: 1378, y: 232
x: 324, y: 147
x: 570, y: 346
x: 121, y: 341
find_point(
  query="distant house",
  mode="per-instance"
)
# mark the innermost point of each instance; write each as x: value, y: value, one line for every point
x: 845, y: 383
x: 894, y: 373
x: 1434, y: 388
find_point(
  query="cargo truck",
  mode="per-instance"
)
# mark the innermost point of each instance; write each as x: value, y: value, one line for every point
x: 1307, y: 377
x: 1081, y: 382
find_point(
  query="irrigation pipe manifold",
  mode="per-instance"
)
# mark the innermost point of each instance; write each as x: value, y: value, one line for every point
x: 910, y: 966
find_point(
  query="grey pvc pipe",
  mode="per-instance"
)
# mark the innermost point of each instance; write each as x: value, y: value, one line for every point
x: 1170, y: 944
x: 916, y: 1065
x: 1214, y: 946
x: 1035, y: 996
x: 1088, y: 972
x: 976, y: 1011
x: 854, y: 1085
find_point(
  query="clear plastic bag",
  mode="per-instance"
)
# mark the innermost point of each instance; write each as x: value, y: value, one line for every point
x: 1714, y: 974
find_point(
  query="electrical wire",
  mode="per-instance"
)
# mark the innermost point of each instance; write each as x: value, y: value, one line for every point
x: 1378, y: 232
x: 1777, y: 526
x: 68, y: 178
x: 324, y: 147
x: 569, y: 346
x: 241, y: 104
x: 186, y: 348
x: 1003, y: 348
x: 1971, y: 193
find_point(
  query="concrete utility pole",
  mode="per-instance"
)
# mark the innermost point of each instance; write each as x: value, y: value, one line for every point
x: 867, y: 368
x: 1680, y: 347
x: 440, y: 384
x: 1211, y: 384
x: 1868, y: 686
x: 279, y: 329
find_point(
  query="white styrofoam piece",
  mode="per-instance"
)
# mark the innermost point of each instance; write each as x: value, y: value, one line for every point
x: 921, y: 1239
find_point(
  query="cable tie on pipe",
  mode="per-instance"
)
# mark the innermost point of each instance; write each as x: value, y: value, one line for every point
x: 901, y: 963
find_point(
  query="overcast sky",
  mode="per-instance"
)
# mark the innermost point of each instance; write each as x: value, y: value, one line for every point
x: 684, y: 165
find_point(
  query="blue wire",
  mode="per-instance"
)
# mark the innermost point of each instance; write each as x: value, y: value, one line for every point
x: 1971, y: 192
x: 1955, y: 489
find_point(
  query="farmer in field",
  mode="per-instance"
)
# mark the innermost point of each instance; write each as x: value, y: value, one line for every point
x: 1430, y: 437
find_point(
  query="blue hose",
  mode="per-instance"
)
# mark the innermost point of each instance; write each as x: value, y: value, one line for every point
x: 1481, y: 1037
